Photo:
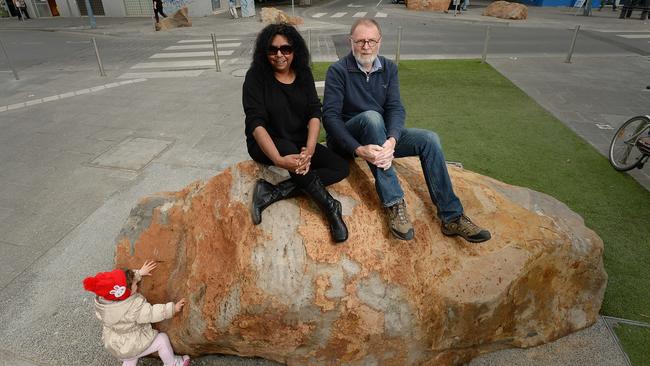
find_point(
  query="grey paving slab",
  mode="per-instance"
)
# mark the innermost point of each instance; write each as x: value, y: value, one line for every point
x: 14, y: 259
x: 132, y: 154
x: 591, y: 346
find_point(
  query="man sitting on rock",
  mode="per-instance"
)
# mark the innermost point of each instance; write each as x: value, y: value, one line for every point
x: 363, y: 116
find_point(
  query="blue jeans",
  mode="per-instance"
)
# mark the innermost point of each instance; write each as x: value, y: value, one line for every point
x: 369, y: 128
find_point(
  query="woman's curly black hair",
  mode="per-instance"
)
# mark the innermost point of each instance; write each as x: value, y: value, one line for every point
x: 300, y: 53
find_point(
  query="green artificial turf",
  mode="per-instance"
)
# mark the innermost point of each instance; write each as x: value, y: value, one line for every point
x: 494, y: 128
x: 635, y: 342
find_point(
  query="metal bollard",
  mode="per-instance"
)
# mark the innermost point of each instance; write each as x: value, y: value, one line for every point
x: 9, y: 61
x: 99, y: 59
x: 485, y: 44
x: 309, y: 46
x: 216, y: 53
x: 399, y: 43
x: 573, y: 45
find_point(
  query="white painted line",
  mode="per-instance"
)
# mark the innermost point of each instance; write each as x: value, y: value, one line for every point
x: 338, y: 15
x: 77, y: 42
x: 621, y: 31
x: 604, y: 126
x: 318, y: 15
x: 634, y: 36
x: 354, y: 6
x: 52, y: 98
x: 202, y: 46
x: 381, y: 15
x: 162, y: 74
x: 188, y: 63
x: 376, y: 6
x: 33, y: 102
x: 191, y: 54
x: 360, y: 14
x: 15, y: 106
x: 67, y: 95
x: 319, y: 84
x: 207, y: 40
x: 234, y: 60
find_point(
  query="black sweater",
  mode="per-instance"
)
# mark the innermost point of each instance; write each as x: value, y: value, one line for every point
x: 284, y: 110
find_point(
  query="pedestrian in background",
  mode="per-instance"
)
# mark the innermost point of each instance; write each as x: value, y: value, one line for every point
x: 22, y: 9
x: 158, y: 9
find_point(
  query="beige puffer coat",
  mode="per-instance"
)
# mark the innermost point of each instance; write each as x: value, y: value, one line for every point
x: 127, y: 328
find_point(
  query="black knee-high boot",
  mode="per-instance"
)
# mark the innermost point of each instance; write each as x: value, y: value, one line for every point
x: 265, y: 193
x: 330, y: 207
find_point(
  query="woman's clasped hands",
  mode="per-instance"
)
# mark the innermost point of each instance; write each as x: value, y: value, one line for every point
x: 296, y: 163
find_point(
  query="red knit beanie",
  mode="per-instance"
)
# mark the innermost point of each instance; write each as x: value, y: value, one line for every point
x: 109, y: 285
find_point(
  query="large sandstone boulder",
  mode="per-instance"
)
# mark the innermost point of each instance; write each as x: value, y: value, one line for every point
x: 283, y: 291
x: 179, y: 19
x: 276, y: 16
x: 506, y: 10
x: 435, y: 5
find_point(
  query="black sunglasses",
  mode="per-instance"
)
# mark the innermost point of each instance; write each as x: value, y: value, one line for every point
x: 285, y: 50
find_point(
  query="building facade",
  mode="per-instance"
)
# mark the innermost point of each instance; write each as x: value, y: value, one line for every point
x: 114, y: 8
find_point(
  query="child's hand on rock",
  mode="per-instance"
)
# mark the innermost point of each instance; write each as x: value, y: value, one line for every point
x: 179, y: 305
x: 147, y: 267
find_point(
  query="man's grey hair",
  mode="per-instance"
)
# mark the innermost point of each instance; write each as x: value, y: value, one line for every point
x: 364, y: 21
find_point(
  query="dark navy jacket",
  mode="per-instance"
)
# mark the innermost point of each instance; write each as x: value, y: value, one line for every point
x: 348, y: 92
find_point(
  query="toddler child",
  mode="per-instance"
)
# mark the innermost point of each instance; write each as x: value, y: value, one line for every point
x: 127, y: 316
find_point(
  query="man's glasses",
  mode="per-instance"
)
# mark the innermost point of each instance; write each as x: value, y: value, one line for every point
x: 285, y: 50
x: 362, y: 42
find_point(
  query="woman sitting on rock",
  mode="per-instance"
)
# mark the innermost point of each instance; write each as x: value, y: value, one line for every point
x: 282, y: 125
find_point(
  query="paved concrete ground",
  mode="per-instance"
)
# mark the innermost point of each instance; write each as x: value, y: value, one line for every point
x: 62, y: 200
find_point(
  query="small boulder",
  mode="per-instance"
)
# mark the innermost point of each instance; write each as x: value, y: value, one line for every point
x: 178, y: 19
x: 434, y: 5
x: 283, y: 291
x: 276, y: 16
x: 506, y: 10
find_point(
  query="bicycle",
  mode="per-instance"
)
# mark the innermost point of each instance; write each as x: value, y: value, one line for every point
x: 630, y: 146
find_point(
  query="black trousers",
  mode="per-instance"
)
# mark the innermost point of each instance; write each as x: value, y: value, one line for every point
x: 157, y: 11
x: 325, y: 164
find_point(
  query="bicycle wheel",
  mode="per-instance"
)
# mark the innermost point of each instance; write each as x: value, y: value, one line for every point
x: 623, y: 154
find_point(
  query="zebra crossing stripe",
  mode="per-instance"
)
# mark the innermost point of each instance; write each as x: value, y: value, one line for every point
x: 360, y: 14
x: 162, y: 64
x: 207, y: 40
x: 339, y: 15
x: 202, y: 46
x: 191, y: 54
x: 381, y: 15
x: 162, y: 74
x: 318, y: 15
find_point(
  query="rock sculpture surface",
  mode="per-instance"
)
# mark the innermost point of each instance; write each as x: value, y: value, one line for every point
x: 283, y: 291
x: 435, y: 5
x: 507, y: 10
x: 178, y: 19
x: 276, y: 16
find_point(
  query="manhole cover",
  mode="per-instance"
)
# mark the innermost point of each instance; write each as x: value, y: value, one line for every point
x: 239, y: 73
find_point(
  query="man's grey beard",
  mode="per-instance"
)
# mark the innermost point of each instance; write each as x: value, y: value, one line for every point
x: 362, y: 62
